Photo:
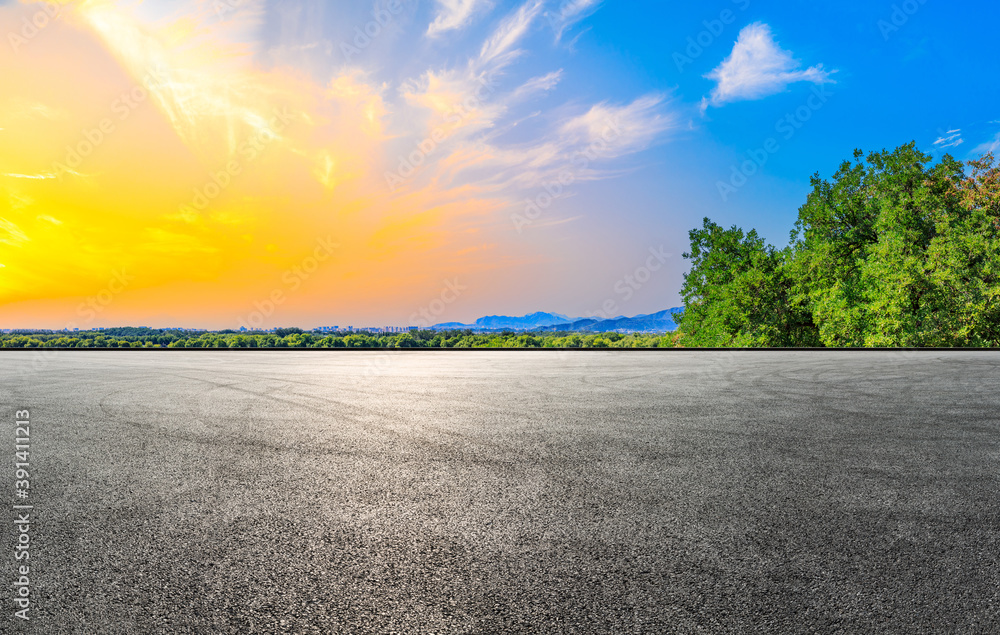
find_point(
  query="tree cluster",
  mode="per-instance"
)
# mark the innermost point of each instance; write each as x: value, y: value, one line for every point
x: 894, y: 251
x: 296, y: 338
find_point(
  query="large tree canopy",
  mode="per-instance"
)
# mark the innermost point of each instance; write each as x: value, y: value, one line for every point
x: 894, y: 251
x: 737, y: 293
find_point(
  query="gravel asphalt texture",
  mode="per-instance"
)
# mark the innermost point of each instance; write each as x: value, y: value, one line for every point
x: 508, y: 492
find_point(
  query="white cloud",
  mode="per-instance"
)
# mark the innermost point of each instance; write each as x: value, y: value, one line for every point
x: 31, y: 176
x: 15, y: 109
x: 537, y: 85
x: 456, y: 101
x: 950, y: 139
x: 235, y: 21
x: 758, y: 67
x: 11, y: 234
x: 464, y: 98
x: 497, y: 49
x: 570, y: 12
x: 990, y: 146
x: 626, y: 129
x: 469, y: 112
x: 584, y: 145
x: 454, y: 14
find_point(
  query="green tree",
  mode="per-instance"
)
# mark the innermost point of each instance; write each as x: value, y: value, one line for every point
x: 898, y: 252
x: 963, y: 261
x: 737, y: 293
x: 893, y: 251
x: 406, y: 341
x: 356, y: 340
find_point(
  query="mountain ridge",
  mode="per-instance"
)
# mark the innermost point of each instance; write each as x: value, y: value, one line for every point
x: 661, y: 321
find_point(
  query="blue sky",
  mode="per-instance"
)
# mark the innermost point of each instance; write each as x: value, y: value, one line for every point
x: 895, y: 72
x: 720, y: 109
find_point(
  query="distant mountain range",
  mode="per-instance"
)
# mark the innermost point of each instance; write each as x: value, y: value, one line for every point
x: 660, y: 322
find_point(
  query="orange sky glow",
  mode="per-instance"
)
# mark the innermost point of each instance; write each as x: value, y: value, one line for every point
x: 153, y: 171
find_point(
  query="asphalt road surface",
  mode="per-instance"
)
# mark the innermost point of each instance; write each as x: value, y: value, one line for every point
x: 506, y: 492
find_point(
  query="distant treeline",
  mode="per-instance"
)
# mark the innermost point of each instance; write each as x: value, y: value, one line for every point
x: 294, y: 338
x: 894, y: 252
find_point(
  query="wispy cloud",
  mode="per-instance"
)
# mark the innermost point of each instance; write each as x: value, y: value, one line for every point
x: 497, y: 50
x: 989, y: 146
x: 570, y: 13
x: 635, y: 125
x: 758, y: 67
x: 206, y: 86
x: 37, y: 177
x: 950, y: 139
x: 15, y: 108
x: 446, y: 92
x: 537, y: 85
x: 11, y: 234
x: 455, y: 14
x: 586, y: 144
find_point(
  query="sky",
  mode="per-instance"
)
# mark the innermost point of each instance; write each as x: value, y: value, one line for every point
x: 260, y: 163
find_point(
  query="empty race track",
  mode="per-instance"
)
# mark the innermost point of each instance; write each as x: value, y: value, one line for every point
x: 500, y: 492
